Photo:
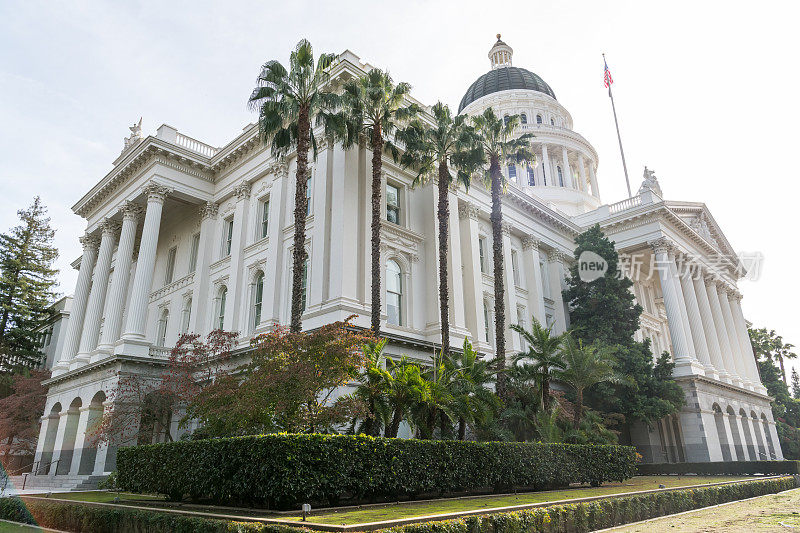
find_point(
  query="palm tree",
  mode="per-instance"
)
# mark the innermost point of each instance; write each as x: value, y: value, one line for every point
x: 499, y: 146
x: 586, y: 366
x: 473, y: 401
x: 372, y: 388
x: 544, y: 355
x: 436, y: 406
x: 287, y: 103
x: 372, y: 105
x: 433, y: 150
x: 407, y: 388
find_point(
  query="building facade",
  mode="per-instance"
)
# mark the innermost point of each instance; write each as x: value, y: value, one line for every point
x: 186, y: 237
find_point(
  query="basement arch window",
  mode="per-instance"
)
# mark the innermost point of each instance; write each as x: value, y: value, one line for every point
x: 394, y: 293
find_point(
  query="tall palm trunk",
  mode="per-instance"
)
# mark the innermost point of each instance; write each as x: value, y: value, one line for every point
x: 499, y: 290
x: 394, y: 427
x: 444, y: 214
x: 377, y: 164
x: 783, y: 370
x: 299, y: 254
x: 576, y: 422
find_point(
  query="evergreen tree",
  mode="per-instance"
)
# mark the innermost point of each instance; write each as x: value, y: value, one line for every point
x: 604, y: 311
x: 795, y: 384
x: 27, y: 278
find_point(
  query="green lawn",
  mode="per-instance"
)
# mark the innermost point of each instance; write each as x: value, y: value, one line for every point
x: 9, y: 527
x: 101, y: 496
x: 408, y: 510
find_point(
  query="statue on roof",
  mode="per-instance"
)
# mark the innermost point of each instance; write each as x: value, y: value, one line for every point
x: 135, y: 136
x: 650, y: 183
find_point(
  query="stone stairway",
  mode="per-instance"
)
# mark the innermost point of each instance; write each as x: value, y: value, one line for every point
x: 45, y: 483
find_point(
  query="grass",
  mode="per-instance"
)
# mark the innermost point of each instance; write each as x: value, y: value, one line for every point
x: 12, y: 527
x: 101, y: 497
x: 397, y: 511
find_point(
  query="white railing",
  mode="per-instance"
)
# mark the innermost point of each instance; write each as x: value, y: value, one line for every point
x: 195, y: 145
x: 628, y: 203
x: 172, y: 287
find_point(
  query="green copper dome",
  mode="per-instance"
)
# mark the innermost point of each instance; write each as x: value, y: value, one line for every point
x: 504, y: 78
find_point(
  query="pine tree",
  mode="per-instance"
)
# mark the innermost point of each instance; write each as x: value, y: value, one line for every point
x: 27, y: 278
x: 795, y: 384
x: 604, y: 311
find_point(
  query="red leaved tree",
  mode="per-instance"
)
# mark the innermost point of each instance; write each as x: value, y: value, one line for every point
x: 19, y: 415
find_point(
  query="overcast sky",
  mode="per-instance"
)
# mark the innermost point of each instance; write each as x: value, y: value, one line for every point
x: 706, y: 92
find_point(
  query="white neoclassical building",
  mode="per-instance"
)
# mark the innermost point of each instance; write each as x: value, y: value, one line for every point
x: 182, y: 237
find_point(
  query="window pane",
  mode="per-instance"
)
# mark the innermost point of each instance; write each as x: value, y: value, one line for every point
x: 393, y: 282
x: 264, y: 218
x: 392, y: 196
x: 393, y: 308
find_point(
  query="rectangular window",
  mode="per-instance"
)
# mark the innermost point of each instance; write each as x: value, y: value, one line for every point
x: 486, y: 325
x: 195, y: 249
x: 515, y: 267
x: 303, y: 286
x: 482, y: 254
x: 392, y: 204
x: 228, y: 236
x: 170, y: 273
x: 264, y: 227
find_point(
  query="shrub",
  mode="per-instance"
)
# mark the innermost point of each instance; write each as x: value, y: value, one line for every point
x: 730, y: 468
x: 577, y: 517
x: 286, y: 470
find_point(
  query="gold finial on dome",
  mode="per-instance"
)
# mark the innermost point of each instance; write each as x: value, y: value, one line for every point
x: 500, y: 54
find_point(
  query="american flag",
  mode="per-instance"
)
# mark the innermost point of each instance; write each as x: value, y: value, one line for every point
x: 607, y: 80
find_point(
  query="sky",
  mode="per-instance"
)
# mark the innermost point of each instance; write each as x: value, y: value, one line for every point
x: 706, y: 94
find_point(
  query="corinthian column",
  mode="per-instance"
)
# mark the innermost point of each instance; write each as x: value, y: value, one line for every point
x: 565, y: 167
x: 72, y: 337
x: 546, y: 169
x: 197, y: 314
x: 744, y: 341
x: 722, y: 331
x: 736, y: 347
x: 97, y: 296
x: 555, y: 260
x: 119, y: 282
x: 665, y: 267
x: 530, y: 251
x: 709, y: 329
x: 695, y: 321
x: 143, y: 278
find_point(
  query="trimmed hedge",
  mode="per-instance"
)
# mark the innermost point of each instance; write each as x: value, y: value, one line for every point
x: 579, y: 517
x: 284, y: 471
x: 729, y: 468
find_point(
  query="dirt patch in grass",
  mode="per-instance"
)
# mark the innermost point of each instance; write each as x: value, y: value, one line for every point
x: 774, y: 512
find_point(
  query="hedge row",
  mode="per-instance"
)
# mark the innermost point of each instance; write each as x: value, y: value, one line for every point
x: 730, y: 468
x: 580, y: 517
x: 283, y: 471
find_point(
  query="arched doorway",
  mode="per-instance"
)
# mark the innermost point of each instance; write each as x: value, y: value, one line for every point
x: 737, y: 435
x: 762, y: 450
x: 95, y: 415
x: 722, y: 435
x: 748, y: 435
x: 70, y: 432
x: 43, y: 467
x: 768, y: 435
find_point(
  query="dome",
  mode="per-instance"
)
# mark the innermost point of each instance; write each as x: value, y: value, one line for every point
x: 504, y: 79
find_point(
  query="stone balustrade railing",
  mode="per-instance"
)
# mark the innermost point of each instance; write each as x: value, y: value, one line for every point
x: 195, y: 145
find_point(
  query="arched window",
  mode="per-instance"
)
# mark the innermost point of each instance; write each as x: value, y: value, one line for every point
x: 187, y: 314
x: 538, y: 119
x: 560, y: 177
x: 552, y: 122
x: 531, y: 176
x: 258, y: 297
x: 162, y: 328
x: 394, y: 293
x: 506, y: 118
x: 523, y: 118
x: 512, y: 171
x: 220, y: 318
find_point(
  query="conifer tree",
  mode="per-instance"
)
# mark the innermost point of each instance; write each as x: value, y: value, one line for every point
x: 795, y: 384
x: 603, y: 310
x: 27, y: 278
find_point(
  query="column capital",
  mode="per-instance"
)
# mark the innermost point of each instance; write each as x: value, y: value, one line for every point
x: 323, y: 143
x: 109, y: 227
x: 556, y: 256
x: 131, y: 211
x: 709, y: 279
x: 736, y: 295
x: 530, y: 243
x: 209, y: 210
x: 505, y: 228
x: 89, y: 242
x: 662, y: 245
x: 280, y: 168
x: 468, y: 210
x: 156, y: 192
x: 242, y: 191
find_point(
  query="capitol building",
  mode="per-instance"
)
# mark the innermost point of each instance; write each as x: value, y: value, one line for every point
x: 182, y: 236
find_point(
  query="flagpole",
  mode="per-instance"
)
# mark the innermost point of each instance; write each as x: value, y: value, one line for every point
x: 619, y: 137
